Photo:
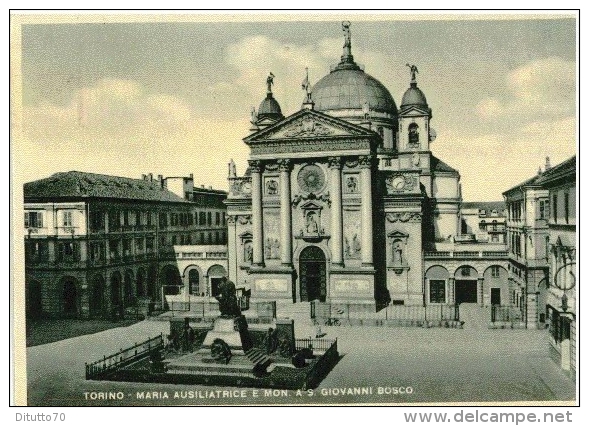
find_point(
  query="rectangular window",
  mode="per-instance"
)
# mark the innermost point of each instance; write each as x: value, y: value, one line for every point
x: 68, y: 219
x: 127, y: 247
x: 566, y: 207
x: 163, y: 220
x: 542, y: 210
x: 139, y: 244
x: 555, y: 207
x: 149, y: 244
x: 202, y: 218
x: 437, y: 291
x: 125, y: 218
x: 217, y: 218
x: 33, y: 220
x: 148, y: 217
x: 96, y: 220
x: 67, y: 252
x: 495, y: 271
x: 113, y: 248
x: 113, y: 220
x: 209, y: 218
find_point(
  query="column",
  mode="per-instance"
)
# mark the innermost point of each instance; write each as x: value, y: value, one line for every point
x: 366, y: 190
x: 285, y: 213
x: 480, y: 292
x: 335, y: 165
x: 257, y: 229
x: 532, y: 311
x: 451, y: 291
x: 233, y: 252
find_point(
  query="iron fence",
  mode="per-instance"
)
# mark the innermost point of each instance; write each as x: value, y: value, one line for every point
x: 111, y: 363
x: 210, y: 307
x: 315, y: 344
x: 336, y: 313
x: 506, y: 314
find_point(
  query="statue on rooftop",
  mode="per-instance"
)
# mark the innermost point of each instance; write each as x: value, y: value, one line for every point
x: 413, y: 70
x: 270, y: 82
x: 347, y: 35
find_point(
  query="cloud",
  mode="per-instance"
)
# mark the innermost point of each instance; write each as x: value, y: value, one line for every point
x: 118, y: 127
x: 254, y: 57
x: 544, y: 87
x: 111, y: 107
x: 492, y: 163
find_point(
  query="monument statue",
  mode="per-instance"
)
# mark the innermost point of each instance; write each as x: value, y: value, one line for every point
x: 413, y: 70
x: 366, y: 110
x: 397, y: 253
x: 227, y: 299
x: 347, y: 36
x: 306, y: 86
x: 270, y: 82
x: 254, y: 116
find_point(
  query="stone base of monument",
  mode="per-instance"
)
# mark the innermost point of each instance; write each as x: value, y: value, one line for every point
x: 226, y: 329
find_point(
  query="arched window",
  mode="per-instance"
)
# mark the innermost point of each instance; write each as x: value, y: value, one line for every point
x: 413, y: 134
x: 193, y: 281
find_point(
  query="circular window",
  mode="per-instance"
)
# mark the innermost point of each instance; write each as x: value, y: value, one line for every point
x: 311, y: 178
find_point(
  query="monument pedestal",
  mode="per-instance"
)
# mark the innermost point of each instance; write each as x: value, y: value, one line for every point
x: 226, y: 329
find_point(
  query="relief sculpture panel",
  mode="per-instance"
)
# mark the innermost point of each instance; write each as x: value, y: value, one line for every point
x: 271, y: 234
x: 352, y: 234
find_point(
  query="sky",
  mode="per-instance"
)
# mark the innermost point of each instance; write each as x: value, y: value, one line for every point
x: 174, y: 98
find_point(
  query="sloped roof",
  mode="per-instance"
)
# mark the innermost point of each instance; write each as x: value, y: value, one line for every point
x: 439, y: 166
x: 485, y: 205
x: 76, y: 184
x: 566, y: 169
x: 533, y: 181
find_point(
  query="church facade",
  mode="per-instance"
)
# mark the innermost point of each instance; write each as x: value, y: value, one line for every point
x: 343, y: 201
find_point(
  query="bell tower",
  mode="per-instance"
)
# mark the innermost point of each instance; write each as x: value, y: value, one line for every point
x: 415, y: 133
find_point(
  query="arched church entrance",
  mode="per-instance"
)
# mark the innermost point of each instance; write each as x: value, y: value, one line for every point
x: 466, y: 285
x: 312, y: 273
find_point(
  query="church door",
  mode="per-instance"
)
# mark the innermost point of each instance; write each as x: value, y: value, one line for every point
x: 312, y: 274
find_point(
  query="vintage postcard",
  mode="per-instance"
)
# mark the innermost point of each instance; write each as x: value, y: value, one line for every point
x: 297, y: 209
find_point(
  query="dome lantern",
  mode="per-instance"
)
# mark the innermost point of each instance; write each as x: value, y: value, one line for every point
x: 269, y: 109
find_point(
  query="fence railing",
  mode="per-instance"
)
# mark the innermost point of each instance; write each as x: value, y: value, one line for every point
x: 210, y: 307
x: 315, y: 344
x: 336, y: 312
x: 111, y: 363
x: 505, y: 314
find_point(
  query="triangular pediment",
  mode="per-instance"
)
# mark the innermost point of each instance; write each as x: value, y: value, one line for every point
x: 414, y: 111
x: 309, y: 124
x: 311, y: 205
x: 397, y: 234
x: 247, y: 235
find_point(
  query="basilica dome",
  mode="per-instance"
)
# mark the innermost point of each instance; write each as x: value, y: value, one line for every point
x: 347, y: 86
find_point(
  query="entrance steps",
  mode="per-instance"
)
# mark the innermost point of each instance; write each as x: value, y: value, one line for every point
x: 258, y: 357
x: 297, y: 311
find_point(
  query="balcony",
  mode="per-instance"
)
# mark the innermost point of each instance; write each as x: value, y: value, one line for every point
x: 465, y: 254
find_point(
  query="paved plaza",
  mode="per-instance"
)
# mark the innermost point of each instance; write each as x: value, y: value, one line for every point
x: 437, y: 365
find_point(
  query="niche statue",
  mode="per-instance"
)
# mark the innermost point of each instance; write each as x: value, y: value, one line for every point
x: 227, y: 299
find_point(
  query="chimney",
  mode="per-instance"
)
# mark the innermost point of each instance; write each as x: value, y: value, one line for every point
x: 160, y: 177
x: 547, y: 166
x: 202, y: 186
x: 150, y: 177
x: 210, y: 186
x: 143, y: 177
x: 191, y: 176
x: 539, y: 170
